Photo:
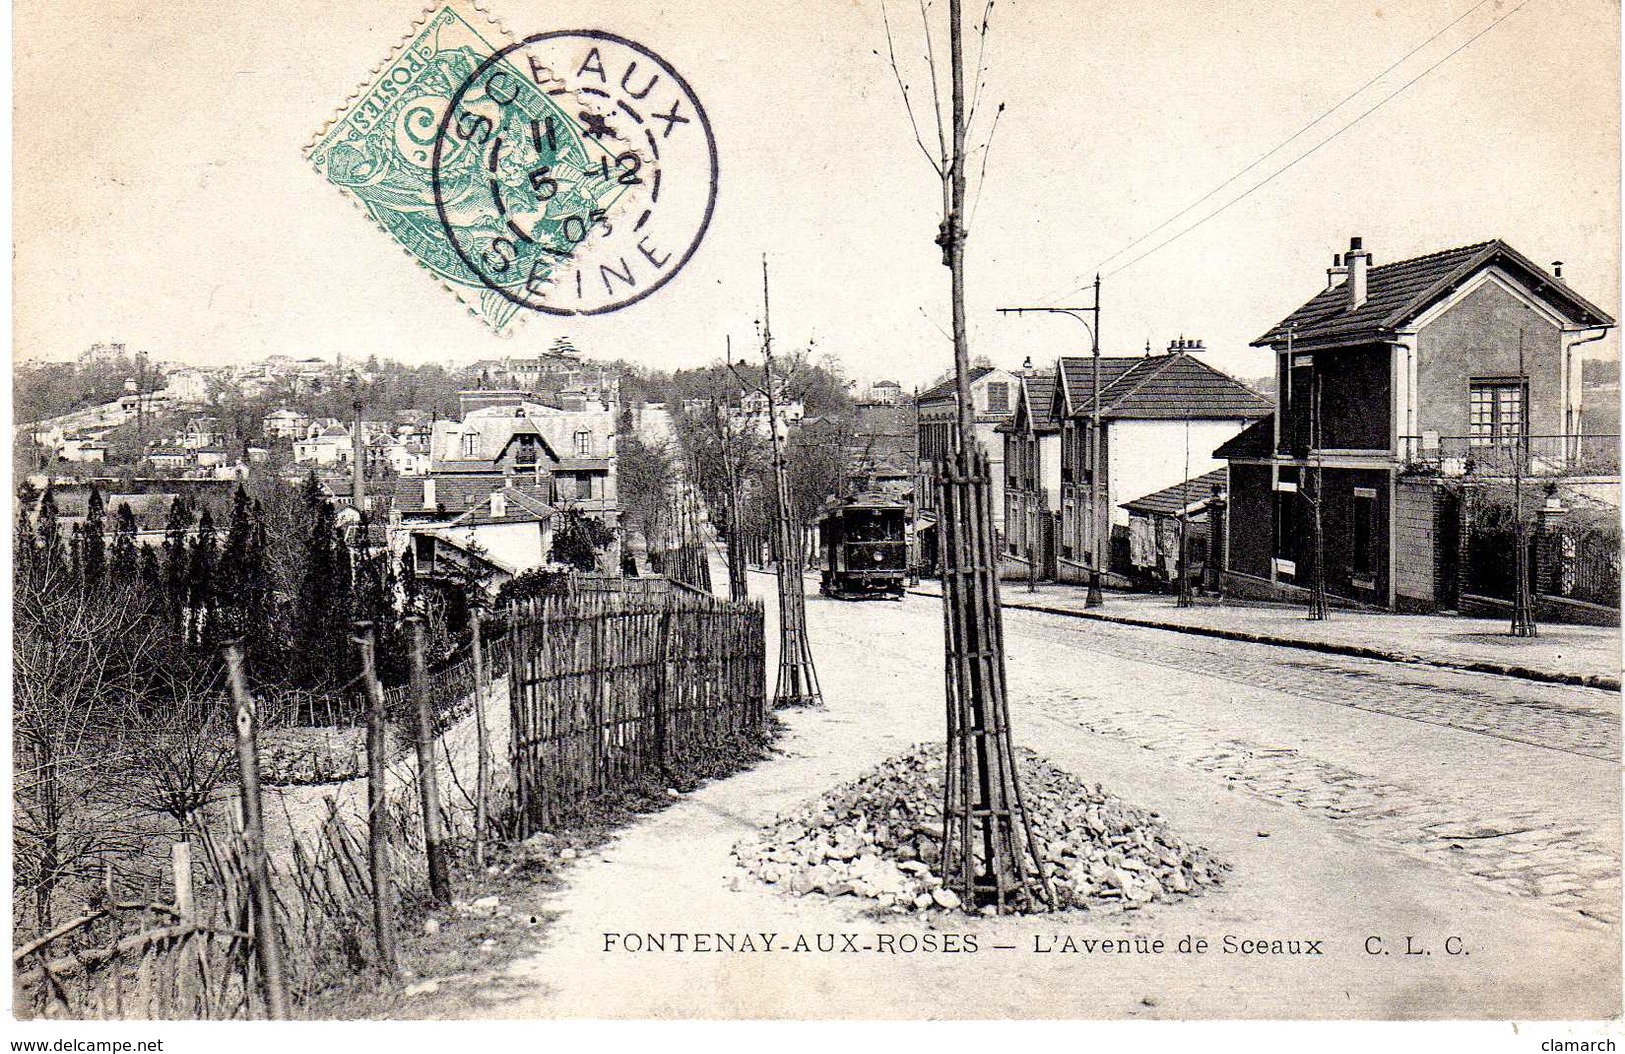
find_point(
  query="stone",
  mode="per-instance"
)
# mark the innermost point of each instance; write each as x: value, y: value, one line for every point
x: 431, y: 927
x: 945, y: 898
x: 421, y: 988
x: 487, y: 903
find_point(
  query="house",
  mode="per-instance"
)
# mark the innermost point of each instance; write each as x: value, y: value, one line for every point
x: 82, y: 447
x: 1160, y: 418
x: 170, y: 457
x: 882, y: 393
x: 1158, y: 521
x: 572, y: 451
x: 503, y: 524
x: 1032, y: 478
x: 283, y: 423
x: 186, y: 386
x: 1410, y: 395
x: 325, y: 443
x: 937, y: 421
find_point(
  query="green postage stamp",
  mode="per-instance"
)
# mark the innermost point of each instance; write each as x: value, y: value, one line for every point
x: 572, y: 172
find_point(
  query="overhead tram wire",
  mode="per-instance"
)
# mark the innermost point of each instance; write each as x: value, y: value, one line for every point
x: 1266, y: 155
x: 1314, y: 149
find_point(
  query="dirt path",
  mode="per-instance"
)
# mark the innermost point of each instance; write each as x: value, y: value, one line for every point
x: 1299, y: 875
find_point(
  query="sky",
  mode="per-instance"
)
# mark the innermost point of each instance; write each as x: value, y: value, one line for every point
x: 161, y: 197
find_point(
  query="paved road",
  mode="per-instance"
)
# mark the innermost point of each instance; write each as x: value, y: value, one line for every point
x: 1354, y: 799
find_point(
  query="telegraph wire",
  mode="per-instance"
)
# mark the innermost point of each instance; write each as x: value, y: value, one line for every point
x: 1288, y: 141
x: 1314, y: 149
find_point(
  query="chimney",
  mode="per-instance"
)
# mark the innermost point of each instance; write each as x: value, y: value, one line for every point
x: 1358, y: 261
x: 1336, y: 272
x: 1557, y: 270
x: 499, y: 504
x: 429, y: 501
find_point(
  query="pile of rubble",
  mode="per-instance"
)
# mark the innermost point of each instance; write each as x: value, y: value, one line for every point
x: 880, y: 837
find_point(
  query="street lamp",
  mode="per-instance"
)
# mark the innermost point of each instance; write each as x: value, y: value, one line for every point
x: 1094, y: 598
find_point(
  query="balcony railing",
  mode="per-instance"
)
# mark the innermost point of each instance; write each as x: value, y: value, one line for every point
x: 1507, y: 456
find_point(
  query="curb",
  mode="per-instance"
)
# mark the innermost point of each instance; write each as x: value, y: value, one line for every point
x: 1526, y: 673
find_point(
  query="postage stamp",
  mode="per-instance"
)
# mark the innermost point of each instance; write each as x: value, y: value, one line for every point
x: 505, y: 169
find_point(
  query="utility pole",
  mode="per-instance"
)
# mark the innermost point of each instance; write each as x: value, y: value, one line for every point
x: 1099, y: 514
x: 358, y: 452
x: 737, y: 587
x: 1182, y: 565
x: 1523, y: 602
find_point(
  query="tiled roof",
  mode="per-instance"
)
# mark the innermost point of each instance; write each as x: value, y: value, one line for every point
x: 1040, y: 394
x: 948, y: 388
x: 1169, y: 501
x: 1160, y: 387
x: 1256, y: 440
x: 1398, y: 292
x: 458, y: 494
x: 1078, y: 378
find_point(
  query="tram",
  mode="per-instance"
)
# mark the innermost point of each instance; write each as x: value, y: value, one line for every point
x: 865, y: 547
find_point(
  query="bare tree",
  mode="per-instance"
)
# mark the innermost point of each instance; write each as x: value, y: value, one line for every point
x: 989, y: 853
x: 85, y: 663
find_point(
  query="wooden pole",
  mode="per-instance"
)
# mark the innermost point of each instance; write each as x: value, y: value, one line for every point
x: 482, y: 744
x: 261, y: 899
x: 383, y: 914
x: 434, y: 837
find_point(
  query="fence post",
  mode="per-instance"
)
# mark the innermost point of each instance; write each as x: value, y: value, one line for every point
x: 267, y: 941
x: 383, y: 921
x: 663, y: 685
x: 482, y: 773
x: 434, y: 840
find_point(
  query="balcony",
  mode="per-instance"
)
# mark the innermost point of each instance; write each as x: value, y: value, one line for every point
x: 1492, y: 457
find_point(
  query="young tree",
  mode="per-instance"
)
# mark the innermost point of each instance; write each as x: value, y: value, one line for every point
x: 989, y: 855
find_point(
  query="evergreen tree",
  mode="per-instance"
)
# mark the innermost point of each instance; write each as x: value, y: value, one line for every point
x: 177, y: 564
x: 152, y: 583
x: 125, y: 564
x: 258, y: 620
x: 200, y: 583
x: 232, y: 573
x: 76, y: 551
x: 313, y: 662
x: 93, y: 541
x: 26, y: 546
x: 49, y: 528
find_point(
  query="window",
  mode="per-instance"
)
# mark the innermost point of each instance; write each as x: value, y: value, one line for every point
x: 526, y: 455
x: 1287, y: 513
x: 1495, y: 411
x: 1363, y: 513
x: 471, y: 444
x: 583, y: 444
x: 998, y: 397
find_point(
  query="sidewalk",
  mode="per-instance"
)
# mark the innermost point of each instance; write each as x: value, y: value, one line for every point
x: 1580, y: 655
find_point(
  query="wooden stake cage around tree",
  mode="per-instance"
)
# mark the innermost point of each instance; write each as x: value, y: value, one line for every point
x: 797, y: 683
x: 990, y: 856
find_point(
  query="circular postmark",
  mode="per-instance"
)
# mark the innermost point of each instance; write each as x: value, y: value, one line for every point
x: 574, y: 172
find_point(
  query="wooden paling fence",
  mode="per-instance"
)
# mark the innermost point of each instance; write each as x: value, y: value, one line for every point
x: 606, y: 689
x: 611, y: 689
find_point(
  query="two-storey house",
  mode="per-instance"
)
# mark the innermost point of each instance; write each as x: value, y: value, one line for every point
x: 1395, y: 384
x: 936, y: 419
x: 1160, y: 418
x: 1032, y: 478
